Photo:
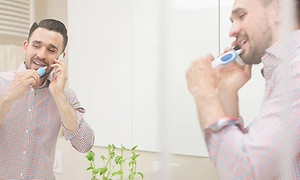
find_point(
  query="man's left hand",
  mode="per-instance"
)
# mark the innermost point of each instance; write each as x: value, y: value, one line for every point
x: 58, y: 83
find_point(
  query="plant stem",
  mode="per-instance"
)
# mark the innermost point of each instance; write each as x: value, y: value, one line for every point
x: 108, y: 159
x: 121, y: 164
x: 109, y: 169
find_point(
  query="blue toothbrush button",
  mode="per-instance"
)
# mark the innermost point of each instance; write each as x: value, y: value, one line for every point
x: 226, y: 57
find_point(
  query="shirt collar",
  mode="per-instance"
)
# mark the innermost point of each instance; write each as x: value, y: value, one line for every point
x: 278, y: 51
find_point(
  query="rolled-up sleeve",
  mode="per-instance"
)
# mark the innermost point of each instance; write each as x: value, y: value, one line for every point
x: 83, y: 138
x: 261, y: 153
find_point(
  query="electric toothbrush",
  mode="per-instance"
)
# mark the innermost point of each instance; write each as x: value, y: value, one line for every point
x: 42, y: 70
x: 228, y: 57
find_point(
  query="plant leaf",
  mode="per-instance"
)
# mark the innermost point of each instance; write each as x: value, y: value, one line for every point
x: 141, y: 174
x: 103, y: 170
x: 90, y: 156
x: 89, y: 168
x: 96, y: 171
x: 131, y: 176
x: 134, y: 148
x: 103, y: 157
x: 117, y: 173
x: 117, y: 159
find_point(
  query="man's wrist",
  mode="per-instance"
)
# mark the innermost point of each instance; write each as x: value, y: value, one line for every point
x: 204, y: 98
x: 6, y: 98
x: 227, y: 94
x: 59, y: 97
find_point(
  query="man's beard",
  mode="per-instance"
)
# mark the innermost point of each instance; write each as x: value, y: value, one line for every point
x: 27, y: 66
x: 257, y: 48
x: 31, y: 62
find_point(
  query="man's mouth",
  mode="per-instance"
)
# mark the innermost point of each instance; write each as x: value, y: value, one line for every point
x: 39, y: 63
x: 242, y: 42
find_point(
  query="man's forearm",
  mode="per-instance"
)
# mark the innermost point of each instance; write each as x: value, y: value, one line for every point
x: 209, y: 109
x: 66, y: 112
x: 5, y: 104
x: 230, y: 102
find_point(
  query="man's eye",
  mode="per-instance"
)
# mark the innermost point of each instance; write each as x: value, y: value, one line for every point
x: 51, y: 50
x: 36, y: 46
x: 242, y: 16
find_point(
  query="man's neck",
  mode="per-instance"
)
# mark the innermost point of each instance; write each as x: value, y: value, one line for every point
x: 39, y: 84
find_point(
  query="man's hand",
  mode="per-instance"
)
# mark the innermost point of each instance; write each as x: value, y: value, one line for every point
x: 232, y: 77
x: 201, y: 78
x: 202, y: 82
x: 58, y: 83
x: 21, y: 83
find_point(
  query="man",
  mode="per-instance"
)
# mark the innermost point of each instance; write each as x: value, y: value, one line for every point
x: 260, y: 151
x: 33, y: 108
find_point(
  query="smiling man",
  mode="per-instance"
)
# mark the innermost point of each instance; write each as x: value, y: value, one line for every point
x: 33, y: 108
x: 258, y: 151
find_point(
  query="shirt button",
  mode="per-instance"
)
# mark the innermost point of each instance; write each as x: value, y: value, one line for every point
x: 24, y: 152
x: 29, y: 110
x: 27, y: 131
x: 21, y: 174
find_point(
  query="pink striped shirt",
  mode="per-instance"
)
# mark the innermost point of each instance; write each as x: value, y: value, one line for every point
x: 29, y: 132
x: 258, y: 152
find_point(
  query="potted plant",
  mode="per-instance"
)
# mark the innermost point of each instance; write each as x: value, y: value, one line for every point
x: 108, y: 171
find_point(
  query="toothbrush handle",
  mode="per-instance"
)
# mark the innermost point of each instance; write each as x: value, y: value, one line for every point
x: 42, y: 71
x: 224, y: 59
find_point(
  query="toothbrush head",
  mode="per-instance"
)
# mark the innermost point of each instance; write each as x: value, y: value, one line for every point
x: 239, y: 51
x: 237, y: 47
x: 42, y: 71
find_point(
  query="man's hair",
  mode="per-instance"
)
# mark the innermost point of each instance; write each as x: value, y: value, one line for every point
x: 266, y: 2
x: 51, y: 25
x: 297, y: 3
x: 298, y: 9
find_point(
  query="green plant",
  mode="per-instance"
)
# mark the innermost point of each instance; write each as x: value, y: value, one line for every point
x: 107, y: 170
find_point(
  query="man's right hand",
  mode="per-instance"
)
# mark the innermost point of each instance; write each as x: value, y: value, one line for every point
x: 21, y: 83
x: 232, y: 76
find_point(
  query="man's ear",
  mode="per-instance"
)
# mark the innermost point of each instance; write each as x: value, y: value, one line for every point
x: 25, y: 45
x: 64, y: 54
x: 277, y: 6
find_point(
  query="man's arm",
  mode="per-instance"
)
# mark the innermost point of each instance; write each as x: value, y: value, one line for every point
x: 18, y: 87
x: 230, y: 102
x: 75, y: 128
x: 260, y: 153
x: 82, y: 139
x: 5, y: 104
x: 66, y: 112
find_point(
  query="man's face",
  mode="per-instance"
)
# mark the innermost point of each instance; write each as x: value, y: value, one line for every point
x: 253, y: 26
x: 43, y: 47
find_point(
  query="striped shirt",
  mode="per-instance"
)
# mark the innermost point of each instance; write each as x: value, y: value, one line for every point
x: 29, y: 132
x: 260, y: 151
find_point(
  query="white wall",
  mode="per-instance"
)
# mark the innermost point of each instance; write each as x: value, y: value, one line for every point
x: 114, y: 55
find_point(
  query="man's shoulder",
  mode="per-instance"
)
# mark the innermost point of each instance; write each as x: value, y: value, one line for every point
x: 69, y: 91
x: 70, y: 94
x: 7, y: 76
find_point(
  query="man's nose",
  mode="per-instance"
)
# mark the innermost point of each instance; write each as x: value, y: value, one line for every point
x: 42, y: 53
x: 235, y: 30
